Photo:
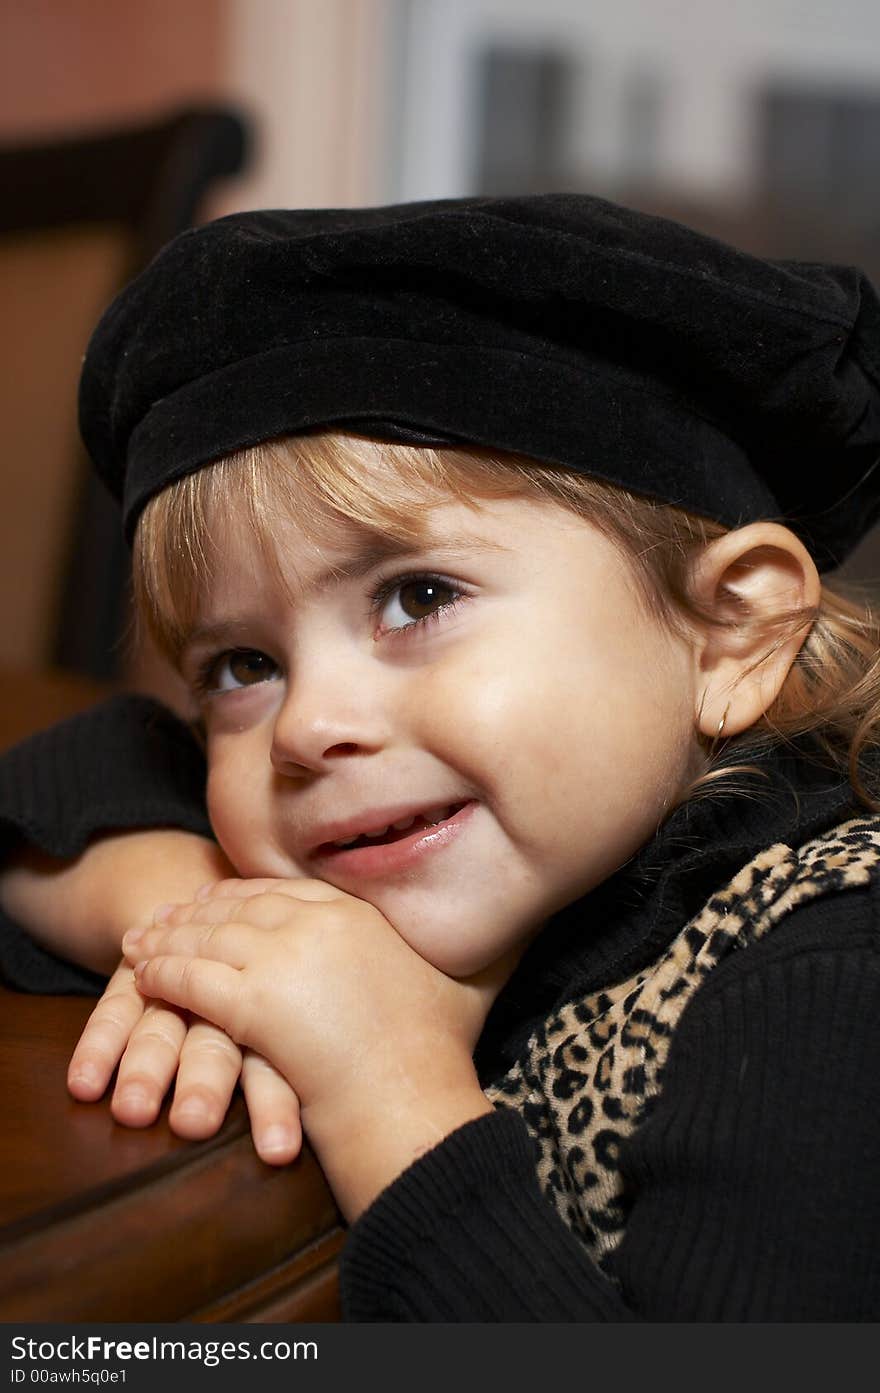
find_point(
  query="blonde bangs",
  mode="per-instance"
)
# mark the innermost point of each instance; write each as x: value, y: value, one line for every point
x: 323, y: 481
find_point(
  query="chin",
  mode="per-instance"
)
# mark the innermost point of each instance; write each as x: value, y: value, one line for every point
x: 460, y: 968
x: 463, y: 941
x: 459, y: 962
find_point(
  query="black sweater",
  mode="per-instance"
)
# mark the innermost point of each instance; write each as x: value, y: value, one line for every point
x: 749, y: 1189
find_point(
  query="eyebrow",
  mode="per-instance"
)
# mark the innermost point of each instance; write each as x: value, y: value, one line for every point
x: 373, y: 553
x: 359, y: 562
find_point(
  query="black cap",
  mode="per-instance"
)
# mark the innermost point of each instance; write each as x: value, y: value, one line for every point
x: 557, y: 326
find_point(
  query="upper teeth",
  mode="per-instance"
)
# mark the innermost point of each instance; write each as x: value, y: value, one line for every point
x: 434, y: 816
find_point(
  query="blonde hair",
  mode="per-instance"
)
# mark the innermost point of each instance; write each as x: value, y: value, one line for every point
x: 831, y: 692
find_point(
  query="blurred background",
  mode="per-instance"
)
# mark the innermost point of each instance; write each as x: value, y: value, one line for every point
x: 122, y: 121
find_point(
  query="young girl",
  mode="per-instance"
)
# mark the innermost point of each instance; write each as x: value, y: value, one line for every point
x: 487, y: 535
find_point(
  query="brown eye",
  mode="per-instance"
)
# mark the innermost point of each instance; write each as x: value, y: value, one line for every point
x: 408, y: 602
x: 419, y: 598
x: 243, y: 667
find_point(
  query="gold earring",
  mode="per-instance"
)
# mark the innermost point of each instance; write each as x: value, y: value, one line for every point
x: 721, y: 722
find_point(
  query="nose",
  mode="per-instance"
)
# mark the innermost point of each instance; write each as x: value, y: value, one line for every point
x: 321, y: 720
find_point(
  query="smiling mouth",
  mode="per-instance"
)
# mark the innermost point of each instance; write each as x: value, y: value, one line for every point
x: 415, y: 826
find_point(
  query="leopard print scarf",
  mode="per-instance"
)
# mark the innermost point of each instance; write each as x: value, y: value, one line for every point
x: 589, y: 1074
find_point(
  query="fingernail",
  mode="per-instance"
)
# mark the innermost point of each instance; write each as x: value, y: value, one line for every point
x: 204, y: 890
x: 132, y: 936
x: 87, y: 1073
x: 134, y: 1095
x: 139, y: 967
x: 193, y: 1107
x: 162, y: 912
x: 274, y: 1141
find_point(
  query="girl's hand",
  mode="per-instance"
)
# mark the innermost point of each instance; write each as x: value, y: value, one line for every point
x: 152, y: 1043
x: 376, y: 1042
x: 80, y: 909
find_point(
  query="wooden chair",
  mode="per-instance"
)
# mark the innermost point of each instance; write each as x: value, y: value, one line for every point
x: 78, y: 218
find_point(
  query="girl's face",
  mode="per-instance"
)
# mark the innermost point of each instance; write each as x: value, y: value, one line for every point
x: 498, y: 691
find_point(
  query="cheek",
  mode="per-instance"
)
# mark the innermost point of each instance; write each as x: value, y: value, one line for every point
x: 236, y: 805
x: 475, y: 715
x: 520, y: 709
x: 573, y: 744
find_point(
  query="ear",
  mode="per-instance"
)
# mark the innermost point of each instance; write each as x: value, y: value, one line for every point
x: 747, y: 579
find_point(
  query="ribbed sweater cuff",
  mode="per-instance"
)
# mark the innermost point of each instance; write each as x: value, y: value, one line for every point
x: 127, y: 763
x: 466, y: 1235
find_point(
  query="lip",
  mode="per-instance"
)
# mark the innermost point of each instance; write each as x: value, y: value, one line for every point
x: 388, y: 858
x: 362, y: 824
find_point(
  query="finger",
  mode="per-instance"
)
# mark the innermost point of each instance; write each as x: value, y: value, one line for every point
x: 265, y: 907
x: 274, y: 1111
x: 209, y: 911
x: 210, y: 1064
x: 238, y: 889
x: 105, y: 1036
x: 296, y: 887
x: 301, y: 888
x: 227, y: 942
x: 148, y: 1065
x: 210, y: 989
x: 266, y: 910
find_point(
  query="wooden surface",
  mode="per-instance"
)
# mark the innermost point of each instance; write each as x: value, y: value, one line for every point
x: 101, y: 1222
x: 31, y: 700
